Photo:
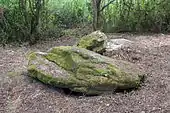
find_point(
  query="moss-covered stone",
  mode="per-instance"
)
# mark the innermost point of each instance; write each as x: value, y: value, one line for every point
x: 82, y: 70
x: 94, y: 42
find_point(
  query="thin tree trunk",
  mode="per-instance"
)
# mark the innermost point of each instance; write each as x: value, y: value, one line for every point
x: 35, y: 19
x: 97, y: 9
x: 96, y: 13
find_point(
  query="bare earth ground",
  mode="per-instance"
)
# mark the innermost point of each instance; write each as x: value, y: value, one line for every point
x: 21, y: 94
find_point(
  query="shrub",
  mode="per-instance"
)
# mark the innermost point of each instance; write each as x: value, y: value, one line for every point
x: 137, y: 16
x: 26, y: 20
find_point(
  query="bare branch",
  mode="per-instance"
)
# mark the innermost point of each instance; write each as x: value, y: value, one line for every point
x: 107, y: 5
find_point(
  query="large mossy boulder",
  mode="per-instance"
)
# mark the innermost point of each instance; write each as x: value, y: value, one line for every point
x: 94, y: 42
x: 81, y: 70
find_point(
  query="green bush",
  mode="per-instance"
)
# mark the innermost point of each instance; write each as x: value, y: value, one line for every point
x: 26, y: 21
x: 137, y: 16
x: 70, y: 13
x: 19, y: 23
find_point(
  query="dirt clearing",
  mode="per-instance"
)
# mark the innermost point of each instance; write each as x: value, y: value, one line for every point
x: 21, y: 94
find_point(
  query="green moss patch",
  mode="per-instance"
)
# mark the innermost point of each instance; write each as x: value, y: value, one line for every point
x: 94, y: 42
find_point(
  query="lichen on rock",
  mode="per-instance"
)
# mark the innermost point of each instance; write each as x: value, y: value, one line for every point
x: 81, y: 70
x: 94, y: 42
x: 98, y: 42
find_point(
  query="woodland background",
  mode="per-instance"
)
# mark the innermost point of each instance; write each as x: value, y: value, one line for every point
x: 34, y: 20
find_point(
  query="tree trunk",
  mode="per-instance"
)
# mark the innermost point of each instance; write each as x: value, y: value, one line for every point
x: 35, y: 20
x: 36, y: 17
x: 96, y: 14
x: 97, y: 9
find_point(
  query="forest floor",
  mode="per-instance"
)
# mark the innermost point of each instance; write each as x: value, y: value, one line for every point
x: 21, y: 94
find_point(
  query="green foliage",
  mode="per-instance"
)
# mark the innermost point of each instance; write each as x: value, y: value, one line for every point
x: 137, y: 16
x: 33, y: 20
x: 26, y: 20
x: 70, y: 13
